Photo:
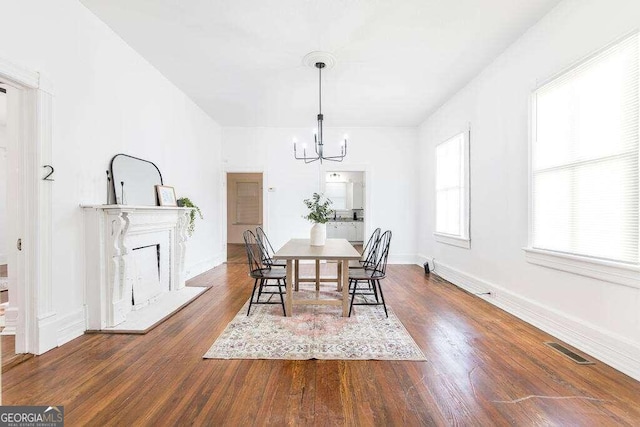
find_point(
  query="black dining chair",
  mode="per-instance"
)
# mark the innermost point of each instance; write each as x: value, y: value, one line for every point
x: 371, y: 277
x: 367, y: 260
x: 267, y: 249
x: 263, y: 273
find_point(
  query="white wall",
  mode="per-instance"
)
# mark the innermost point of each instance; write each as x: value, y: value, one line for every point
x: 109, y: 100
x: 3, y: 178
x: 596, y: 316
x: 387, y: 153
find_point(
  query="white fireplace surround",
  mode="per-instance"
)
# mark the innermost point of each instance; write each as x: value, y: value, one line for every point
x: 111, y: 233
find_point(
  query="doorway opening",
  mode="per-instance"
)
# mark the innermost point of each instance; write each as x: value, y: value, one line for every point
x: 244, y: 211
x: 12, y: 335
x: 346, y: 189
x: 30, y: 318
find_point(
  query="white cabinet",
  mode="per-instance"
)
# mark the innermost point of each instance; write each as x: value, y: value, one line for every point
x: 352, y: 231
x: 332, y: 230
x: 359, y: 230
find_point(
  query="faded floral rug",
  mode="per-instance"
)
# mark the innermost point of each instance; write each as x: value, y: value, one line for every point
x: 315, y: 332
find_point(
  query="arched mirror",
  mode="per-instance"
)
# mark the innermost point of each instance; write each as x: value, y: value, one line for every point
x: 134, y: 180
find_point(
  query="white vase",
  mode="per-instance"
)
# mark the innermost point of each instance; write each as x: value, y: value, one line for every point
x: 318, y: 234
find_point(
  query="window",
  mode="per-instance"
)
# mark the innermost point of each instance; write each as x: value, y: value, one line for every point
x: 337, y: 193
x: 584, y: 159
x: 452, y: 191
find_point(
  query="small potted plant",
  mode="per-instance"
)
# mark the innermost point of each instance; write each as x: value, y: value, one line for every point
x: 187, y: 203
x: 319, y: 214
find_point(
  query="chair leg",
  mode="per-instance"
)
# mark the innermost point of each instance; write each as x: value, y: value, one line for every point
x: 382, y: 296
x: 255, y: 284
x: 372, y: 286
x: 284, y: 310
x: 260, y: 288
x: 353, y: 296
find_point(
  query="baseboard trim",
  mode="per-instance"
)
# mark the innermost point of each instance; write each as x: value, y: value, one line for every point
x: 71, y: 326
x: 616, y: 351
x: 421, y: 259
x: 202, y: 266
x: 47, y: 338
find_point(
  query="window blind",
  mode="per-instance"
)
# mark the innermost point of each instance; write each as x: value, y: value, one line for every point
x: 585, y: 158
x: 248, y: 203
x: 450, y: 191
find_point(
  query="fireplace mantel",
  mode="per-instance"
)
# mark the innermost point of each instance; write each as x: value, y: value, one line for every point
x: 111, y: 233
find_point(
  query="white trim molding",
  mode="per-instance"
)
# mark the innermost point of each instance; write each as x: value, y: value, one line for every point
x: 18, y: 74
x: 460, y: 242
x: 612, y: 349
x: 609, y: 271
x: 70, y: 326
x: 29, y: 124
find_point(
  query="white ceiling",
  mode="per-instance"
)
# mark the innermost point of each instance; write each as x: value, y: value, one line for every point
x: 397, y: 61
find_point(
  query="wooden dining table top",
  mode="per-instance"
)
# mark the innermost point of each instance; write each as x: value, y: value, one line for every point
x: 335, y: 249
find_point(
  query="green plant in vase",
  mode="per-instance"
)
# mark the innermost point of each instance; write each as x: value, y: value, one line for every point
x: 319, y: 213
x: 187, y: 203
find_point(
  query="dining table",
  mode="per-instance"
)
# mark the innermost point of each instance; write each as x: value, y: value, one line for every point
x: 296, y: 250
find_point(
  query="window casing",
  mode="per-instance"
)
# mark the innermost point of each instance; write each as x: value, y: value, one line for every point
x: 452, y: 191
x: 584, y: 191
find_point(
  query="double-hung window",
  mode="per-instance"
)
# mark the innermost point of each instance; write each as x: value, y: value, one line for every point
x: 452, y: 191
x: 584, y: 160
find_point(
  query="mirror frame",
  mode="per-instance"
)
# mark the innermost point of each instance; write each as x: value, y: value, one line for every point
x: 113, y: 182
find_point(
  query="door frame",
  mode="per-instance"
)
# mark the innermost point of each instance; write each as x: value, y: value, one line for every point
x: 30, y: 313
x: 223, y: 196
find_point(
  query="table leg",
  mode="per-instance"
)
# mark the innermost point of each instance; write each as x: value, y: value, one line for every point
x: 297, y: 262
x: 289, y: 300
x: 339, y: 275
x: 317, y: 275
x: 344, y: 283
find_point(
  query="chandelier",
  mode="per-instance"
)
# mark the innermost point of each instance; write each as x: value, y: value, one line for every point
x: 318, y: 134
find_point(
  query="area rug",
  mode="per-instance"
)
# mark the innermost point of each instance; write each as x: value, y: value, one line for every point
x: 315, y: 332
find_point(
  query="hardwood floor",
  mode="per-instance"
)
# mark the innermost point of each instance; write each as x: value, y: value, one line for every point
x: 484, y: 367
x: 9, y: 357
x: 236, y: 254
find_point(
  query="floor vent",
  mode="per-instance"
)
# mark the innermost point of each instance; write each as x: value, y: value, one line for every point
x: 570, y: 354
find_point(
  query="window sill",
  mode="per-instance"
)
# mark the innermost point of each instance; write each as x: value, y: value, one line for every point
x: 609, y: 271
x: 453, y: 240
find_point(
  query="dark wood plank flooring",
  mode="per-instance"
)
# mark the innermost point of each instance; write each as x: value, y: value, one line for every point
x: 236, y: 254
x: 484, y: 367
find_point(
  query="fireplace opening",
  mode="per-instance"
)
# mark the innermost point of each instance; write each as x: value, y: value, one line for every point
x: 146, y: 279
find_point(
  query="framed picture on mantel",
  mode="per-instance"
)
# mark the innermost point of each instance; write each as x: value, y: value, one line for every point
x: 166, y: 195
